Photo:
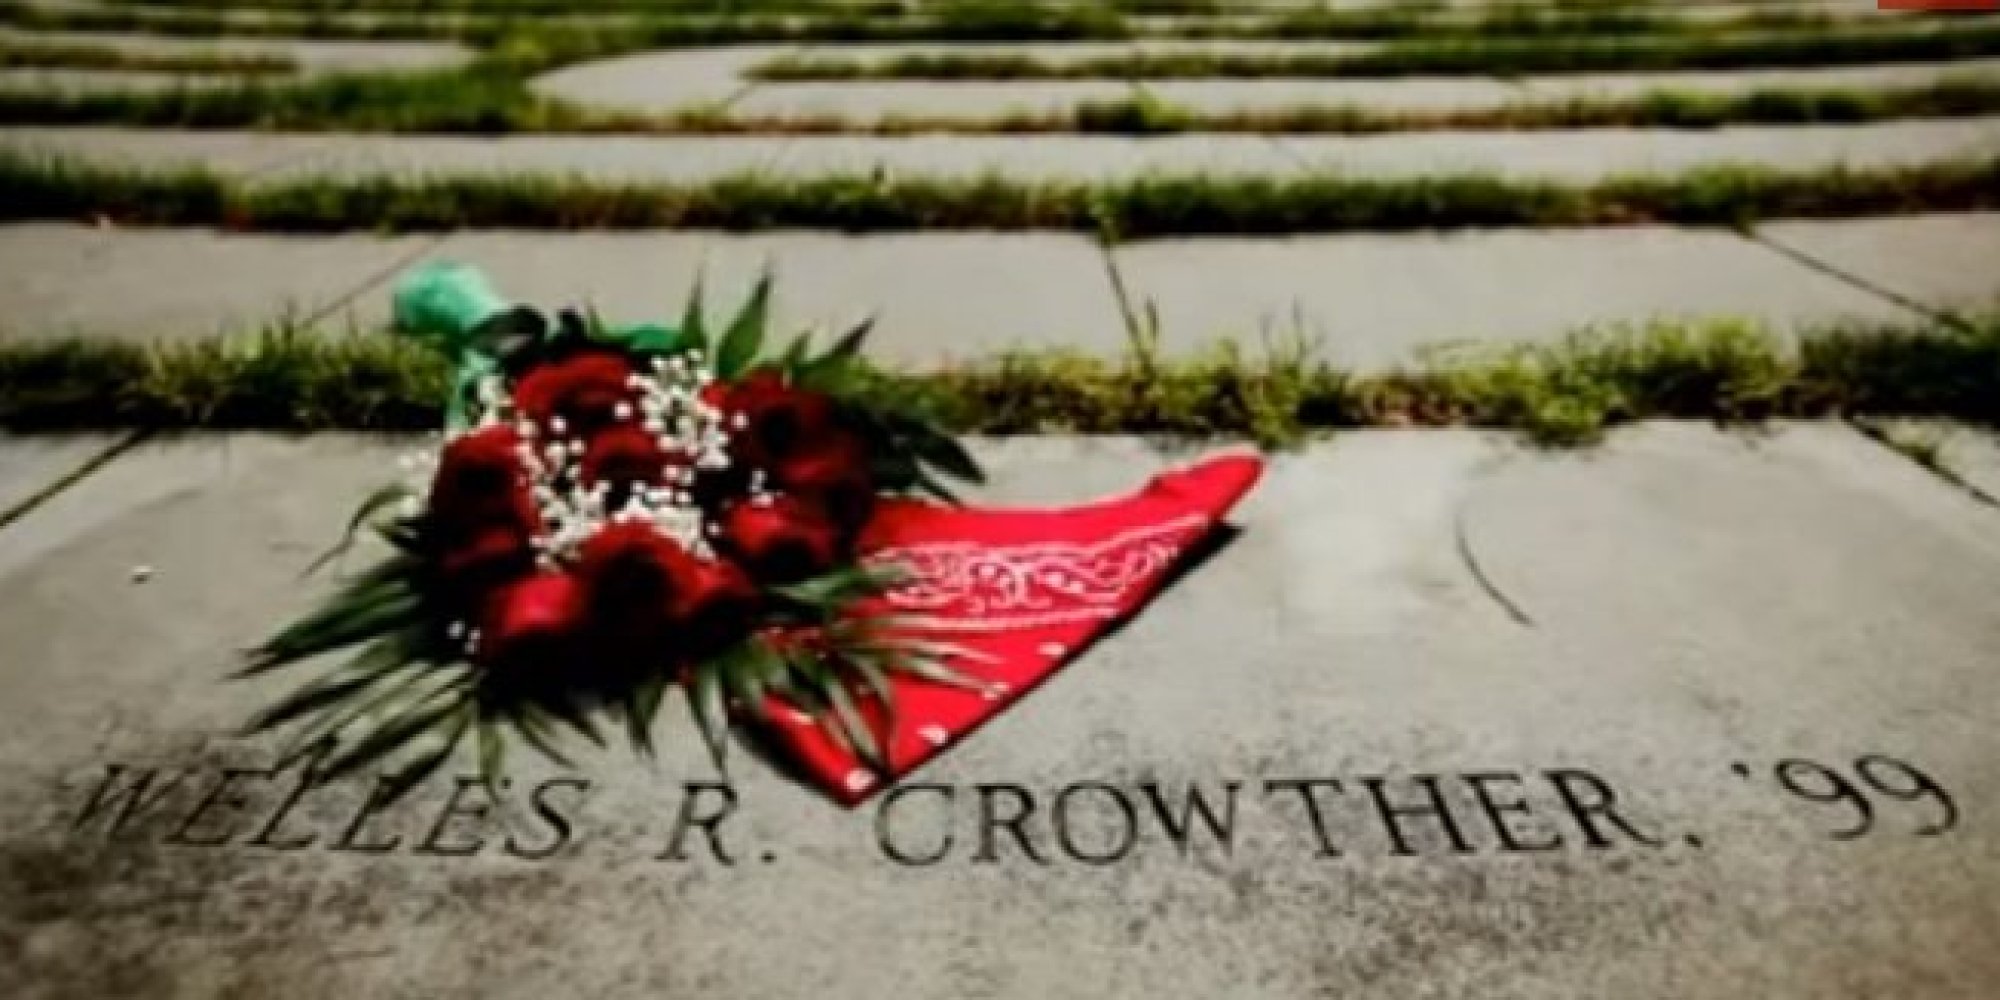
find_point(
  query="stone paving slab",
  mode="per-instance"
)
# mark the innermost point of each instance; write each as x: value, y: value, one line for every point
x: 935, y: 297
x: 232, y: 154
x: 1698, y: 601
x: 1478, y: 93
x: 140, y: 284
x: 1039, y: 158
x: 1741, y: 80
x: 1417, y: 93
x: 666, y: 81
x: 652, y: 81
x: 1945, y: 261
x: 1598, y: 153
x: 33, y: 464
x: 1368, y: 301
x: 312, y: 55
x: 99, y: 81
x: 1375, y: 301
x: 1575, y: 155
x: 1967, y: 453
x: 876, y: 100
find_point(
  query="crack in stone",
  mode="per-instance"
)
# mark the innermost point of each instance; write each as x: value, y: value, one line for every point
x: 1466, y: 555
x: 74, y: 476
x: 1856, y: 281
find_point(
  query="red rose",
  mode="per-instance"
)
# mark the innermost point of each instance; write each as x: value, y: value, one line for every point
x: 779, y: 419
x: 717, y: 606
x: 583, y: 389
x: 532, y: 619
x: 644, y: 588
x: 479, y: 560
x: 834, y: 474
x: 625, y: 453
x: 481, y: 513
x: 781, y: 540
x: 633, y: 574
x: 480, y: 481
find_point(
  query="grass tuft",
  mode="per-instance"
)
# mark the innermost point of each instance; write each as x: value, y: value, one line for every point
x: 1473, y: 53
x: 1566, y: 392
x: 52, y: 188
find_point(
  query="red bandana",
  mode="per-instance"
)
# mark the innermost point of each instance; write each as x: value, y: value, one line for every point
x: 1018, y: 593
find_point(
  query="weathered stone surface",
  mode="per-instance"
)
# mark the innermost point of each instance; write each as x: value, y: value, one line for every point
x: 1741, y: 80
x: 1363, y: 300
x: 1683, y: 601
x: 1941, y: 261
x: 1599, y: 153
x: 1966, y: 454
x: 1576, y: 155
x: 1401, y: 94
x: 1075, y: 157
x: 612, y: 159
x: 149, y: 283
x: 935, y: 297
x: 231, y: 154
x: 661, y: 81
x: 871, y: 100
x: 32, y: 465
x: 1373, y: 300
x: 94, y: 81
x: 311, y: 55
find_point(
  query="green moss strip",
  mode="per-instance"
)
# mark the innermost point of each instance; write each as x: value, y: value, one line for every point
x: 713, y: 22
x: 36, y: 188
x: 44, y: 55
x: 286, y: 379
x: 1474, y: 55
x: 485, y: 100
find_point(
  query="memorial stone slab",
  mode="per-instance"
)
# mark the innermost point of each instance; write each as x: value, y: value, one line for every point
x: 1694, y: 714
x: 1374, y: 301
x: 1944, y: 262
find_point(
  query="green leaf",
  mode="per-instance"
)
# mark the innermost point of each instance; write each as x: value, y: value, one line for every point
x: 946, y: 454
x: 351, y: 616
x: 443, y: 742
x: 651, y: 338
x: 843, y: 584
x: 747, y: 677
x: 851, y: 720
x: 376, y: 662
x: 711, y: 716
x: 877, y: 681
x: 837, y: 357
x: 492, y: 754
x: 694, y: 327
x: 528, y: 721
x: 328, y: 727
x: 421, y: 715
x: 793, y: 361
x: 642, y: 705
x: 934, y: 671
x: 371, y: 506
x: 746, y: 332
x: 576, y: 716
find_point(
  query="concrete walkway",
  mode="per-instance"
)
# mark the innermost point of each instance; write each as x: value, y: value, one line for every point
x: 1565, y: 155
x: 1650, y: 627
x: 717, y: 78
x: 1366, y: 301
x: 309, y: 57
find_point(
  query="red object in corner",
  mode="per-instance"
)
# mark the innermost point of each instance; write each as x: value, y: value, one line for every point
x: 1019, y: 592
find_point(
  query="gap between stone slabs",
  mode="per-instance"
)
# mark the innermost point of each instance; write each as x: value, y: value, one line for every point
x: 1702, y: 599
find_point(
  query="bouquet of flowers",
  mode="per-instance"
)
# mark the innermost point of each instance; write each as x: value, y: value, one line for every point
x: 619, y: 510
